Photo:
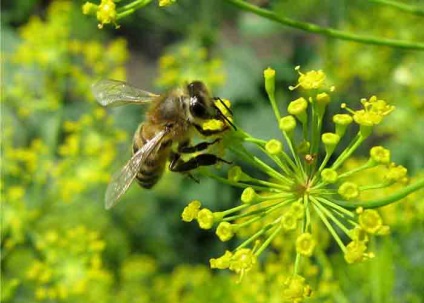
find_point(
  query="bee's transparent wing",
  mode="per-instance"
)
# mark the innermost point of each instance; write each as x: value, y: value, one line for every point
x: 122, y: 180
x: 114, y: 93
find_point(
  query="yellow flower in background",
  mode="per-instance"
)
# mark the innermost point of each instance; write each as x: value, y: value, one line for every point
x: 186, y: 62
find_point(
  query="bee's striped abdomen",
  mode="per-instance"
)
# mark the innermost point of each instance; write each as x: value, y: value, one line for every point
x: 153, y: 166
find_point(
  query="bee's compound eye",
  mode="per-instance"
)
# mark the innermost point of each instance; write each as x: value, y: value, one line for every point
x: 197, y: 108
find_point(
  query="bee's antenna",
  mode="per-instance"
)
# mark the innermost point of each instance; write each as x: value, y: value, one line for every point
x: 223, y: 103
x: 221, y: 115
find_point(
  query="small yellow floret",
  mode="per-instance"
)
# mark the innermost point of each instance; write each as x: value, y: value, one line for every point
x: 249, y: 195
x: 296, y: 289
x: 106, y: 13
x: 89, y: 8
x: 287, y: 124
x: 329, y: 175
x: 225, y: 231
x: 311, y: 80
x: 348, y: 190
x: 297, y: 106
x: 274, y: 147
x: 190, y: 211
x: 222, y: 262
x: 370, y: 221
x: 289, y: 221
x: 297, y: 209
x: 356, y: 252
x: 380, y: 155
x: 396, y: 173
x: 305, y: 244
x: 205, y: 218
x: 242, y: 260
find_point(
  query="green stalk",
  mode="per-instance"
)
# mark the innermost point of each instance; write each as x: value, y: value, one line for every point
x: 325, y: 31
x: 367, y: 165
x: 330, y: 228
x: 331, y: 216
x: 386, y: 200
x: 336, y: 207
x: 402, y: 6
x: 348, y: 151
x: 268, y: 240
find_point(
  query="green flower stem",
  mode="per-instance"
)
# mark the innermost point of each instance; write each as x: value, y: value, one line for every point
x: 296, y: 264
x: 270, y: 184
x: 321, y: 167
x: 375, y: 186
x: 330, y: 228
x: 255, y: 236
x: 257, y: 162
x: 368, y: 164
x: 316, y: 130
x: 133, y: 6
x: 329, y: 32
x: 268, y: 240
x: 386, y: 200
x: 331, y: 216
x: 294, y: 154
x: 348, y: 151
x: 274, y: 107
x: 262, y: 211
x: 233, y: 210
x: 305, y: 204
x: 336, y: 207
x: 239, y: 184
x: 402, y: 6
x: 257, y: 141
x: 283, y: 167
x: 261, y: 143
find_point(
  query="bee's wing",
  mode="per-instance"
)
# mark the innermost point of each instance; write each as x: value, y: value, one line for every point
x: 114, y: 93
x: 122, y: 180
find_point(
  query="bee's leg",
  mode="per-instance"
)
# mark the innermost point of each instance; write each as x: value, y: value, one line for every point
x: 175, y: 158
x: 178, y: 165
x: 186, y: 149
x: 209, y: 132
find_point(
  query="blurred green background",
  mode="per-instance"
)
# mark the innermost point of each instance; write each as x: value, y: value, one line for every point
x: 59, y: 147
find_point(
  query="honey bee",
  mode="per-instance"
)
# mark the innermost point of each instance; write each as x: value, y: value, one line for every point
x: 166, y: 133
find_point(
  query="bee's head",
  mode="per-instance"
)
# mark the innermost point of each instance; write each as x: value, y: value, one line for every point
x: 202, y: 106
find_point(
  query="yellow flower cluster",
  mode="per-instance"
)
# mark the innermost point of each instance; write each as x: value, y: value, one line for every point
x: 69, y: 263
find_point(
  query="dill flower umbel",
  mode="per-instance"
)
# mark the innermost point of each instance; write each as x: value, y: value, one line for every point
x: 303, y: 190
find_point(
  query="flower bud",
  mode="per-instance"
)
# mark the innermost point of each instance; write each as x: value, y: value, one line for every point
x: 269, y: 75
x: 190, y: 211
x: 249, y: 195
x: 205, y: 218
x: 380, y: 155
x: 396, y: 173
x: 225, y: 231
x: 330, y: 141
x: 274, y: 147
x: 287, y: 124
x: 329, y: 175
x: 298, y: 108
x: 370, y: 221
x: 305, y: 244
x: 89, y: 8
x: 235, y: 174
x: 348, y: 190
x: 289, y: 221
x: 342, y: 121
